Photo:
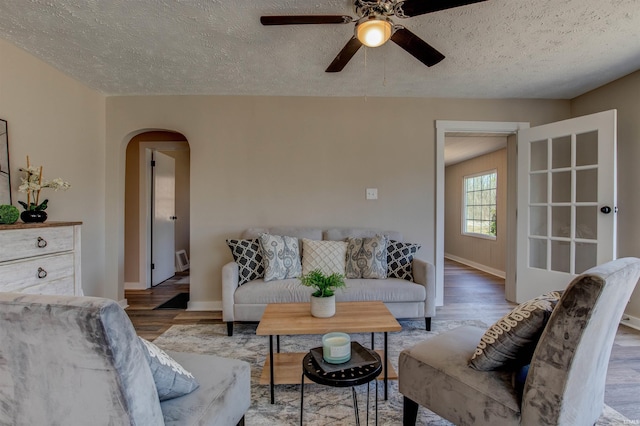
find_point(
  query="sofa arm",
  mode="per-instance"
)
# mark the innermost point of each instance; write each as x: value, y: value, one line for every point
x: 230, y: 280
x: 425, y: 273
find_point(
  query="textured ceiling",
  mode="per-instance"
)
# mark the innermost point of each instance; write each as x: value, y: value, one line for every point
x: 494, y: 49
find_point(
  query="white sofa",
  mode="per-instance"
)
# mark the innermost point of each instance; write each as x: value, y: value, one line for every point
x: 405, y: 299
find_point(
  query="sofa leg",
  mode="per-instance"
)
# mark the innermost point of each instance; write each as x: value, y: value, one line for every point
x: 241, y: 422
x: 230, y: 329
x: 427, y: 324
x: 409, y: 412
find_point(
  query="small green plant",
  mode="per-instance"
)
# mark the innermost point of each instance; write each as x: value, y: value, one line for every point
x: 324, y: 284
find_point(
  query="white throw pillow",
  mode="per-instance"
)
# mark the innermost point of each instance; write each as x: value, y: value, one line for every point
x: 327, y: 256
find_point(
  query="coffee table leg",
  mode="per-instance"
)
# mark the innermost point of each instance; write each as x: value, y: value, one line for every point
x: 278, y: 343
x: 271, y: 384
x: 386, y: 370
x: 373, y: 341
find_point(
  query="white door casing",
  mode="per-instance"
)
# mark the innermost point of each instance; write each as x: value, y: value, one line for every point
x: 566, y: 175
x: 163, y: 227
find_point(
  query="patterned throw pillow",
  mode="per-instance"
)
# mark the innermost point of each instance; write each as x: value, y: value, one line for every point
x: 281, y: 257
x: 171, y: 379
x: 328, y: 256
x: 511, y: 341
x: 399, y: 258
x: 366, y: 257
x: 248, y: 255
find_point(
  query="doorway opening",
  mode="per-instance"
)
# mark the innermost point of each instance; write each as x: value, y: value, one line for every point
x: 144, y: 244
x: 471, y: 129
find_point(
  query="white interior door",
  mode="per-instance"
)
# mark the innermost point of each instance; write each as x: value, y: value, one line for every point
x: 566, y: 201
x: 163, y: 226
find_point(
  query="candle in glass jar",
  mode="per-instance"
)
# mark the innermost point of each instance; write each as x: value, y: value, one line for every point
x: 336, y: 347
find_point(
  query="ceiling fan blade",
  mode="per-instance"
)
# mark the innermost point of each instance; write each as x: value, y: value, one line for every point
x: 417, y: 47
x: 345, y: 55
x: 409, y: 8
x: 305, y: 19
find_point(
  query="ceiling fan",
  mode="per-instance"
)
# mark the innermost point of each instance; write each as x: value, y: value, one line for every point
x: 374, y: 27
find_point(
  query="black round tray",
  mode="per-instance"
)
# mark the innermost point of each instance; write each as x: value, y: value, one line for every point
x: 344, y: 378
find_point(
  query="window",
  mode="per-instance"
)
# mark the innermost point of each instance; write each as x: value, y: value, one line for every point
x: 479, y: 204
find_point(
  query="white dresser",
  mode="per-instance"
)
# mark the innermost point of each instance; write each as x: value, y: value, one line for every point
x: 42, y: 258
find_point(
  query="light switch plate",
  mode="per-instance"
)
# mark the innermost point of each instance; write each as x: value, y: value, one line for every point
x: 372, y: 193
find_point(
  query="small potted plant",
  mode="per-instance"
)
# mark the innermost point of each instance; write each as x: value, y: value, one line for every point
x: 323, y: 299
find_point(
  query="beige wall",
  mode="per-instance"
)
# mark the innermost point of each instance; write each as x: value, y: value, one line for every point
x: 60, y: 124
x: 623, y: 96
x: 178, y: 148
x: 476, y: 251
x: 260, y: 161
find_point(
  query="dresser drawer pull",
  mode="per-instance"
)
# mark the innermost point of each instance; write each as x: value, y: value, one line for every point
x: 42, y: 243
x: 41, y: 273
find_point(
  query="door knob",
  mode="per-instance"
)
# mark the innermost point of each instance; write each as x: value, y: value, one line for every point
x: 606, y: 209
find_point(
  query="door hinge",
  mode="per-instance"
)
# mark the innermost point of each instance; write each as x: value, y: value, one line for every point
x: 153, y: 266
x: 153, y: 163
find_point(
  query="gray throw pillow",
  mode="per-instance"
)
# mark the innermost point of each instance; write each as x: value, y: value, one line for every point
x: 366, y: 257
x: 400, y: 258
x: 281, y: 257
x: 171, y: 379
x: 248, y: 255
x: 511, y: 341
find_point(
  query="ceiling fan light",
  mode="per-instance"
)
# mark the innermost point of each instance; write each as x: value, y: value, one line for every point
x: 374, y: 32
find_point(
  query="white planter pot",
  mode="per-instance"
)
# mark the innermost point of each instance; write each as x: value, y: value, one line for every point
x: 323, y: 307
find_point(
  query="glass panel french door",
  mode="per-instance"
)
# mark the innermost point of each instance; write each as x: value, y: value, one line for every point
x: 566, y: 201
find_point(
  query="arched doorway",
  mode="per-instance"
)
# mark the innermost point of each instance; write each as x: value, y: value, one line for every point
x: 138, y: 203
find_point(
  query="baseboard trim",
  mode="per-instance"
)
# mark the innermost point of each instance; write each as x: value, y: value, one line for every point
x: 630, y: 321
x: 124, y: 303
x: 135, y: 286
x: 483, y: 268
x: 215, y: 305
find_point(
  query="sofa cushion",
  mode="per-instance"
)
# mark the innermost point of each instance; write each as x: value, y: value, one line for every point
x: 280, y: 256
x: 510, y: 342
x: 248, y: 255
x: 400, y: 259
x: 366, y: 257
x: 327, y: 256
x: 341, y: 234
x: 358, y: 290
x: 171, y: 379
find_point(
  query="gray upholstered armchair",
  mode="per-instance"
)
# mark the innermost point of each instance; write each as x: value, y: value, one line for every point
x: 77, y: 361
x: 566, y: 379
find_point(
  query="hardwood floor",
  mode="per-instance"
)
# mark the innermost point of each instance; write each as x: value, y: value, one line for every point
x: 151, y: 323
x: 468, y: 294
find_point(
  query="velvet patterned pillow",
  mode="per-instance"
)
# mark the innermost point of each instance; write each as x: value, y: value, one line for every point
x: 399, y: 258
x: 171, y: 379
x: 511, y: 341
x: 327, y: 256
x: 367, y: 257
x: 248, y: 255
x: 281, y: 257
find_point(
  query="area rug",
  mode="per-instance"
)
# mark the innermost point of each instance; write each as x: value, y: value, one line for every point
x: 323, y: 405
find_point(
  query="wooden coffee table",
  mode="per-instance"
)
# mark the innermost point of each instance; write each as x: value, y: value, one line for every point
x: 295, y: 318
